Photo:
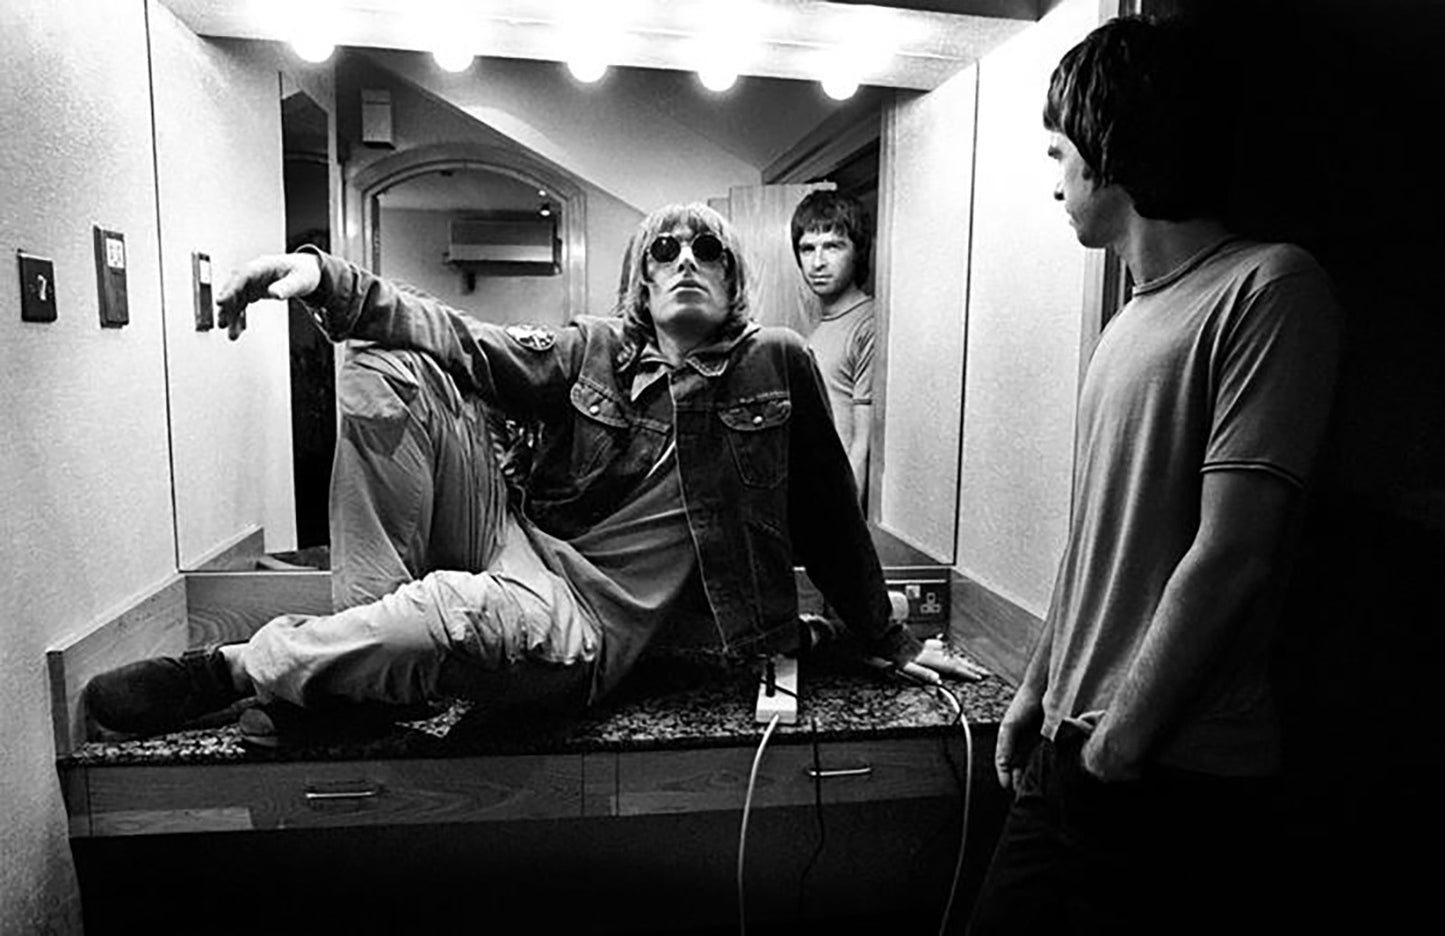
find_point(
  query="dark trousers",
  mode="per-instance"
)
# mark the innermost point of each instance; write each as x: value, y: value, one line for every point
x: 1173, y: 852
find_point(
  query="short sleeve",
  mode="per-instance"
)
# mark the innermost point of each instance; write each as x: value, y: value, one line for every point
x: 862, y: 362
x: 1273, y: 375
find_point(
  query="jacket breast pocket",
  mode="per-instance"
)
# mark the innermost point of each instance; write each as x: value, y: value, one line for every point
x: 757, y: 434
x: 597, y: 425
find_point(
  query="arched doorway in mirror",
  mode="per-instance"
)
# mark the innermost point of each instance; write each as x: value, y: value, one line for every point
x: 494, y: 233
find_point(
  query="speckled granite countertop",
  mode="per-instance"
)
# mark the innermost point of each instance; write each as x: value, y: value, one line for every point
x: 676, y: 702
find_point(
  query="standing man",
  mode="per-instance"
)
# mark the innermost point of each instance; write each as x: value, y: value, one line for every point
x: 832, y: 244
x: 1142, y: 744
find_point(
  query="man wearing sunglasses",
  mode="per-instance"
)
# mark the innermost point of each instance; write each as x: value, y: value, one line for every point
x: 662, y: 494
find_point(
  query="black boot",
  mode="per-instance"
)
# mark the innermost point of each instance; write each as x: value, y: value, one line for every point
x: 161, y: 694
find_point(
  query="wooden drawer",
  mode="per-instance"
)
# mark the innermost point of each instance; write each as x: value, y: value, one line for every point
x: 127, y: 800
x: 852, y: 772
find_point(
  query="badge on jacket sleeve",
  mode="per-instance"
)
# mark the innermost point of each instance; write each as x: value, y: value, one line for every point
x: 533, y: 336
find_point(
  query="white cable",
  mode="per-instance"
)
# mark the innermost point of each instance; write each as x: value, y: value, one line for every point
x: 967, y: 795
x: 743, y: 832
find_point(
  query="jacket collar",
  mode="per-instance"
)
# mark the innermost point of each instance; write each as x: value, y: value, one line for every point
x: 709, y: 360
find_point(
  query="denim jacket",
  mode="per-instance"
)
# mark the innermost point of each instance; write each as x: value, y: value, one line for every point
x: 766, y: 482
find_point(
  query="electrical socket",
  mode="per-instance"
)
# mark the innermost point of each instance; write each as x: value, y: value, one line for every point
x: 780, y: 697
x: 929, y: 597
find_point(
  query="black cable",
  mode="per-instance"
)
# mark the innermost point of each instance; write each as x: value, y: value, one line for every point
x: 817, y: 811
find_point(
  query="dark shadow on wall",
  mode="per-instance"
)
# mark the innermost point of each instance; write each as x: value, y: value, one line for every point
x: 306, y: 177
x: 1337, y: 99
x: 313, y: 414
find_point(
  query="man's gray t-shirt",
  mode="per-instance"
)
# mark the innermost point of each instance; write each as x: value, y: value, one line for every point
x: 1224, y: 364
x: 843, y: 346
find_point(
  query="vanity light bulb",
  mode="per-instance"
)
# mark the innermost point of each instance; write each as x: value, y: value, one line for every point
x: 453, y: 59
x: 313, y: 50
x: 587, y: 70
x: 717, y: 79
x: 839, y: 87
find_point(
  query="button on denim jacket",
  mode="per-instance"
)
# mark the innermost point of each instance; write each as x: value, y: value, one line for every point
x: 765, y: 480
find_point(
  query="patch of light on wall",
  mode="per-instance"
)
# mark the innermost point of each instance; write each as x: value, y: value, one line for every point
x: 869, y: 38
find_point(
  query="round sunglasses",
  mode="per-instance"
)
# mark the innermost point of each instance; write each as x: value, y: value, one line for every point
x: 706, y: 248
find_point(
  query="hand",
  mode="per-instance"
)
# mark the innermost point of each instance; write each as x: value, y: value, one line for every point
x: 1018, y: 734
x: 279, y: 276
x: 935, y: 660
x: 1103, y: 757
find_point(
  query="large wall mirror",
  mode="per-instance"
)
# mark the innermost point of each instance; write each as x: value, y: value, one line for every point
x: 510, y: 192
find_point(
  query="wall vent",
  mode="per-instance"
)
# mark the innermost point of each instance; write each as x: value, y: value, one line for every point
x: 520, y: 244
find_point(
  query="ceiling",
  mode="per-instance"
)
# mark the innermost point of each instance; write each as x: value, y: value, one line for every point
x: 906, y: 44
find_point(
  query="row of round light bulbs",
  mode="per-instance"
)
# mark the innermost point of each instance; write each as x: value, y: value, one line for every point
x: 840, y: 85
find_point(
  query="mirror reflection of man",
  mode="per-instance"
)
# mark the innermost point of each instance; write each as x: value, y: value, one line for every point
x: 662, y: 491
x: 832, y: 242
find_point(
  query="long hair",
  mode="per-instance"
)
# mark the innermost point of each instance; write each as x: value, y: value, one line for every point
x: 698, y: 218
x: 1142, y: 101
x: 827, y: 210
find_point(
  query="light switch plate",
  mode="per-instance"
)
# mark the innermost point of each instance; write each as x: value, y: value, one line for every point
x: 201, y: 290
x: 37, y: 287
x: 110, y: 263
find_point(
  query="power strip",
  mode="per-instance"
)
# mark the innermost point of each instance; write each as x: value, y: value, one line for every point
x: 780, y: 695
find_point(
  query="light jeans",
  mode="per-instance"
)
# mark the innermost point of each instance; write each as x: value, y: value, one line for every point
x: 438, y: 590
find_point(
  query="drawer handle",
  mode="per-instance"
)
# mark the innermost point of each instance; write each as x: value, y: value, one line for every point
x: 863, y: 771
x: 320, y: 796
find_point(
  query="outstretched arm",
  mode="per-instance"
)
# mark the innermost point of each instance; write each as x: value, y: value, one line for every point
x: 831, y: 538
x: 503, y: 365
x: 277, y: 276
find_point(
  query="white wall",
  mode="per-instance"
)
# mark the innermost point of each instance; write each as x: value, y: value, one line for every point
x: 1024, y: 319
x: 983, y: 283
x: 926, y: 194
x: 415, y: 241
x: 86, y: 463
x: 218, y: 147
x: 84, y: 473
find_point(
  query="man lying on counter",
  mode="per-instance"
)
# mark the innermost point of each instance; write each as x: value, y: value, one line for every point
x: 687, y: 459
